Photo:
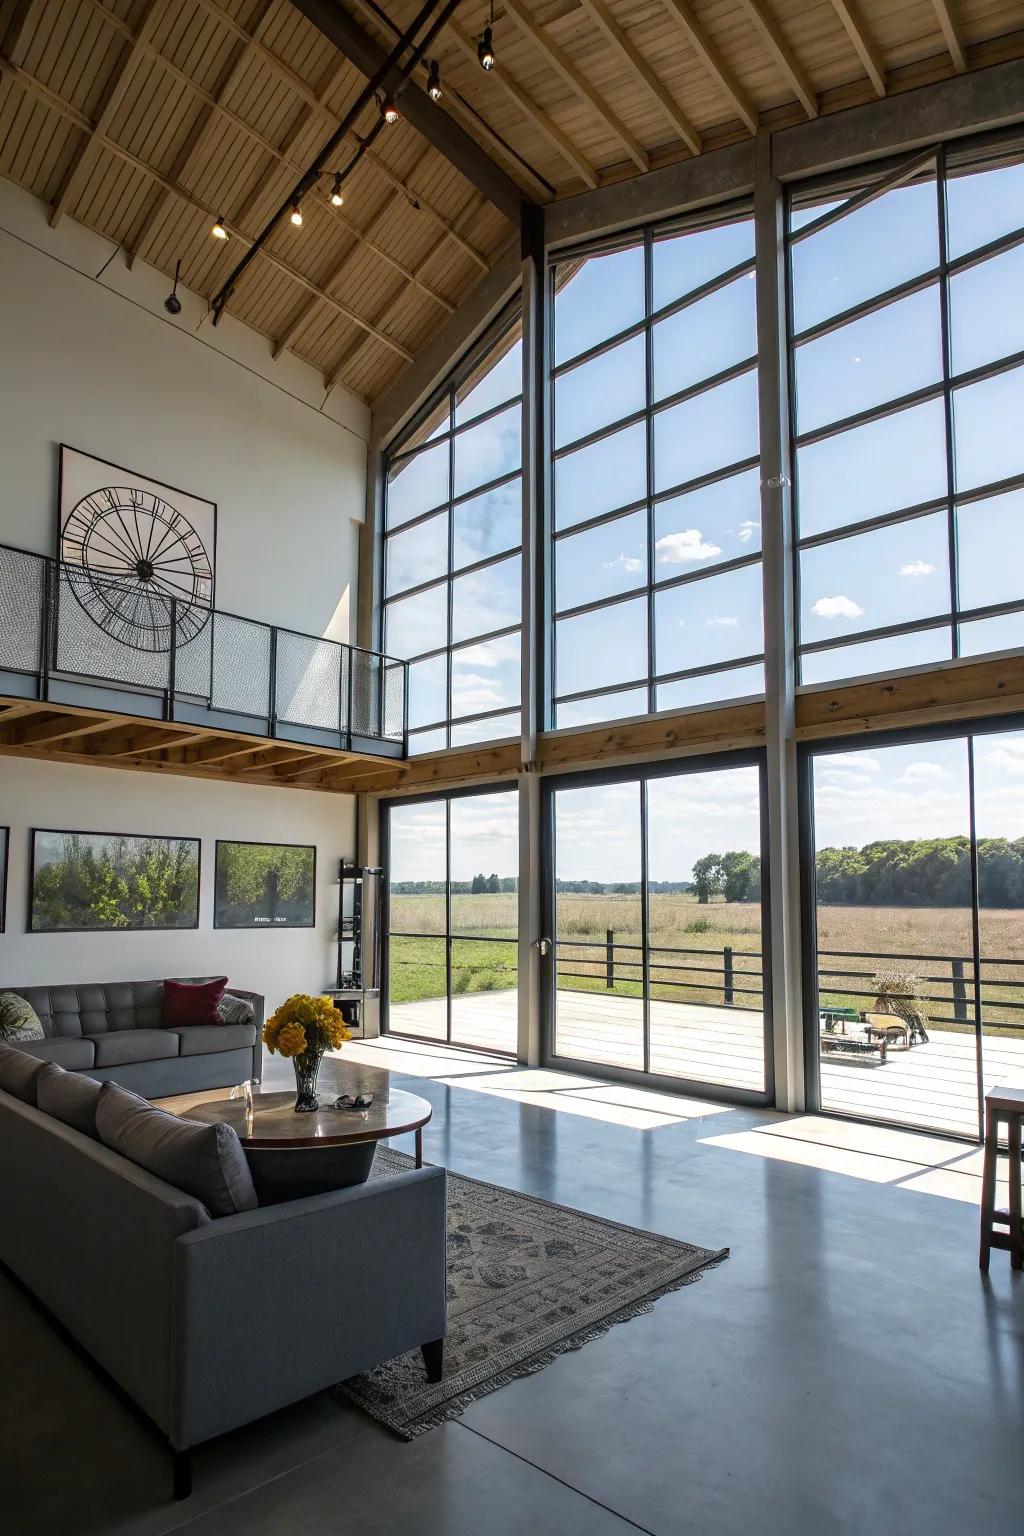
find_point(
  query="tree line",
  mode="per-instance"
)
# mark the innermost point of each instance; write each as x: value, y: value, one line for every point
x: 922, y: 872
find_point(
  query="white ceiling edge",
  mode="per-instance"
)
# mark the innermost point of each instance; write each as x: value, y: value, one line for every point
x: 27, y: 218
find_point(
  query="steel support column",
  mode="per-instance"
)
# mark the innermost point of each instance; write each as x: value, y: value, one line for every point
x: 783, y: 908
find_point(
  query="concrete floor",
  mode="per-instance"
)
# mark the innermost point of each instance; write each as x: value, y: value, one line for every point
x: 846, y: 1372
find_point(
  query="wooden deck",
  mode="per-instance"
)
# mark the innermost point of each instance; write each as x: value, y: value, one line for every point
x: 932, y: 1086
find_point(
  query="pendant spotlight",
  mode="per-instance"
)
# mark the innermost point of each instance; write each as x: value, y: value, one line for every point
x: 336, y: 196
x: 434, y: 90
x: 389, y: 112
x: 172, y: 303
x: 296, y: 214
x: 485, y: 47
x: 218, y: 229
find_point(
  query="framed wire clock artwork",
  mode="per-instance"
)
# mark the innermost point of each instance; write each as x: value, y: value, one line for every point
x: 129, y: 546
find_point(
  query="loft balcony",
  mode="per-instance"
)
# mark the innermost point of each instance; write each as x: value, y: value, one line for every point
x: 86, y: 649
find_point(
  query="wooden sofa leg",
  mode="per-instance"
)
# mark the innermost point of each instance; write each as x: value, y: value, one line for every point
x: 433, y: 1358
x: 182, y: 1474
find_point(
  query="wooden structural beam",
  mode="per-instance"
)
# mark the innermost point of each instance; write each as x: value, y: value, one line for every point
x: 772, y: 36
x: 577, y: 82
x: 951, y: 34
x: 856, y: 30
x: 713, y: 63
x: 960, y: 690
x: 642, y: 72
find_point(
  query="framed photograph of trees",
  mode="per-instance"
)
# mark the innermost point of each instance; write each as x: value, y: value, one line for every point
x: 264, y: 885
x: 83, y: 882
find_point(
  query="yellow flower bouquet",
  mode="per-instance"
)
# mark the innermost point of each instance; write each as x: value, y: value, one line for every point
x: 303, y: 1028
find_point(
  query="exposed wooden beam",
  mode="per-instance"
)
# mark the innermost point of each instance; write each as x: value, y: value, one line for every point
x: 80, y: 168
x: 853, y: 23
x: 713, y: 63
x: 526, y: 104
x: 959, y: 690
x: 17, y: 711
x: 774, y: 40
x: 642, y: 71
x: 951, y: 33
x: 577, y: 82
x: 53, y: 728
x: 21, y: 29
x: 204, y: 130
x: 281, y: 757
x: 37, y: 88
x: 438, y: 128
x: 315, y: 102
x: 130, y: 740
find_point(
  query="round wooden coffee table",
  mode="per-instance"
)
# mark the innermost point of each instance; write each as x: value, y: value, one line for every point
x: 293, y: 1154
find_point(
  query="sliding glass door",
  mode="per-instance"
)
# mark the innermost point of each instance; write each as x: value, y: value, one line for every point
x: 654, y: 910
x: 916, y: 872
x: 451, y: 927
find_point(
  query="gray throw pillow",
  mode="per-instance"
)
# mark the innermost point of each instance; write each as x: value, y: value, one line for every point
x: 235, y: 1010
x: 69, y: 1097
x: 206, y: 1161
x: 18, y: 1073
x: 18, y: 1019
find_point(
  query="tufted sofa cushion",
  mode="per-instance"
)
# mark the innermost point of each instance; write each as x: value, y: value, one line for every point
x: 94, y: 1008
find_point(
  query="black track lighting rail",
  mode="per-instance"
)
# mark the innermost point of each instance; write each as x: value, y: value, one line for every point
x: 378, y: 80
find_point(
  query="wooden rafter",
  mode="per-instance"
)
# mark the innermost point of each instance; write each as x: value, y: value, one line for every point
x: 564, y: 66
x: 37, y: 88
x: 80, y: 167
x: 713, y: 63
x: 772, y: 36
x: 302, y: 89
x: 642, y: 71
x: 52, y: 728
x: 951, y: 34
x: 853, y: 23
x: 526, y: 104
x: 19, y: 33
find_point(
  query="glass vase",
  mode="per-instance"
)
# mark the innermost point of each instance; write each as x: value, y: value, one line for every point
x: 307, y: 1066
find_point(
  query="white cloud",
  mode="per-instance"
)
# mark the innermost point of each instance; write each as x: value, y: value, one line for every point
x: 922, y: 773
x: 747, y: 529
x: 687, y: 545
x: 838, y: 607
x: 1009, y: 755
x: 917, y: 568
x: 722, y: 621
x: 628, y: 563
x: 472, y: 692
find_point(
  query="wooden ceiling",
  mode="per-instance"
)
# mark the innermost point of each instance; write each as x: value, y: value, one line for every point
x: 144, y: 119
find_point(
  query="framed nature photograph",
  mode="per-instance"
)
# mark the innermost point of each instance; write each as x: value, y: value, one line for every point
x: 5, y: 843
x: 264, y: 885
x: 85, y: 882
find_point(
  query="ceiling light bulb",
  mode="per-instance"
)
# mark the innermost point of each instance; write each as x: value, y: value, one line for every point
x: 296, y: 215
x: 336, y: 197
x: 218, y: 228
x: 434, y: 90
x: 390, y: 113
x: 485, y: 50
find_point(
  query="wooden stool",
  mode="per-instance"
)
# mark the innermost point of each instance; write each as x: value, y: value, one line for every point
x: 1002, y: 1104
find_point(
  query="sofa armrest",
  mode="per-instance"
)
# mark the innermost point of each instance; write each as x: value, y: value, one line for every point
x: 258, y: 1010
x: 275, y: 1304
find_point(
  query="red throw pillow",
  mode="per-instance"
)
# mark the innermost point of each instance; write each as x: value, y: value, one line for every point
x: 191, y: 1002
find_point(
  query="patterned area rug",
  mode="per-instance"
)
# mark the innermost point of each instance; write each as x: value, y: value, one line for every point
x: 527, y: 1280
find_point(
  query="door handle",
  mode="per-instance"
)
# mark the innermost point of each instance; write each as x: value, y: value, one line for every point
x: 543, y: 947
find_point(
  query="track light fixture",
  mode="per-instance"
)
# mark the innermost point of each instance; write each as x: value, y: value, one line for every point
x: 485, y: 49
x: 218, y: 229
x: 389, y: 112
x: 434, y: 90
x: 172, y: 303
x: 296, y: 214
x: 336, y: 196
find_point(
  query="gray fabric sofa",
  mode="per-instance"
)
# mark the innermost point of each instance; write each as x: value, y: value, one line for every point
x: 209, y: 1324
x: 112, y: 1029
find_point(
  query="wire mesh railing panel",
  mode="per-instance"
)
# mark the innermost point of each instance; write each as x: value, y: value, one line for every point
x: 309, y: 679
x: 22, y: 582
x: 240, y: 674
x: 103, y: 629
x: 193, y: 664
x: 393, y: 714
x: 365, y: 694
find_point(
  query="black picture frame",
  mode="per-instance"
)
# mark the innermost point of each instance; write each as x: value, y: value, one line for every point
x: 5, y: 853
x: 143, y: 837
x: 267, y: 924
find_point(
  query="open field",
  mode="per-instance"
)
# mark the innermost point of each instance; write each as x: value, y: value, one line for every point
x: 680, y: 922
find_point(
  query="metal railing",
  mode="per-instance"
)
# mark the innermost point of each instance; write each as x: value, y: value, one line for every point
x: 64, y: 628
x: 964, y: 993
x: 736, y: 974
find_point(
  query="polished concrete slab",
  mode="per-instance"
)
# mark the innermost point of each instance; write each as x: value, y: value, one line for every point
x: 847, y: 1372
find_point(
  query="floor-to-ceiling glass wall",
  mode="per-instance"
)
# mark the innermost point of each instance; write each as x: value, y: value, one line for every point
x: 654, y: 911
x: 451, y: 927
x: 917, y: 1002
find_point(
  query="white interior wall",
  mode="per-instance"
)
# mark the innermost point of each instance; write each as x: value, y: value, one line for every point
x: 91, y: 358
x: 65, y: 795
